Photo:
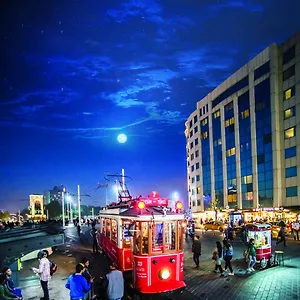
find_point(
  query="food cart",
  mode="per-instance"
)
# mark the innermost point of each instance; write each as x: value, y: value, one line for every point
x: 261, y: 233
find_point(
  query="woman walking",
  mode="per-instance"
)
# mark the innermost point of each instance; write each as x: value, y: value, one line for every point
x: 227, y: 255
x: 217, y: 256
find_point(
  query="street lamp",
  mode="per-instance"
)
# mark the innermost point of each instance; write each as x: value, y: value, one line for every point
x: 63, y: 204
x: 71, y: 211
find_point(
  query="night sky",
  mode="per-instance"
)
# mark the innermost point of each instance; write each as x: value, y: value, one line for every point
x: 75, y: 74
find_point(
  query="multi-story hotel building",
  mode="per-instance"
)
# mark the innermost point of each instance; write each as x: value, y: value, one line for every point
x: 243, y: 139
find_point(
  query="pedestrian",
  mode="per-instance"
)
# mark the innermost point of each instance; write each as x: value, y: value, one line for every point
x: 10, y: 283
x: 77, y: 284
x: 5, y: 294
x: 95, y: 242
x: 227, y: 255
x: 87, y: 275
x: 295, y: 229
x: 43, y: 272
x: 115, y: 287
x: 196, y: 249
x: 281, y: 236
x: 251, y: 253
x: 78, y: 229
x: 217, y: 257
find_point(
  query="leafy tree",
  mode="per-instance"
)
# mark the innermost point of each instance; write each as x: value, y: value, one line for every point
x: 54, y: 209
x: 4, y: 215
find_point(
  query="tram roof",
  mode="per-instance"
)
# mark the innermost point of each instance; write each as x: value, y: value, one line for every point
x: 147, y: 213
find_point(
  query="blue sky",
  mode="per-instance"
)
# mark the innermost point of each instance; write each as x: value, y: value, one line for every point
x: 75, y: 74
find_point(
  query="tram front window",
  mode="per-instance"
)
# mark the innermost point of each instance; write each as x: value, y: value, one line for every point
x: 170, y: 236
x: 127, y: 233
x: 157, y: 237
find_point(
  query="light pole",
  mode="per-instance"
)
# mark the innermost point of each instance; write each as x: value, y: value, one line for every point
x: 78, y: 198
x: 63, y: 205
x: 70, y: 209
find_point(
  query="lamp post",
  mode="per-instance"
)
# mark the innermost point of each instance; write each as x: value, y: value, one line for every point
x: 63, y: 205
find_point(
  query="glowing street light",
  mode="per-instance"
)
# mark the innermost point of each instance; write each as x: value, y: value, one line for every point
x: 122, y: 138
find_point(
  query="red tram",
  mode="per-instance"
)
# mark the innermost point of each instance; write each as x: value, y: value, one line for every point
x: 143, y: 236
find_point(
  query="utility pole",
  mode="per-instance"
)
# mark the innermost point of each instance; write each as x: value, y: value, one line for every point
x: 47, y: 212
x: 71, y: 212
x: 79, y: 209
x: 93, y: 213
x: 68, y: 207
x: 63, y: 206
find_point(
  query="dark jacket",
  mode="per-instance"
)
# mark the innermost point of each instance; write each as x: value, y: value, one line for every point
x: 196, y: 248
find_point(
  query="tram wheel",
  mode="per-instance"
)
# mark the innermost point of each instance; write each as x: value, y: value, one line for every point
x: 263, y: 263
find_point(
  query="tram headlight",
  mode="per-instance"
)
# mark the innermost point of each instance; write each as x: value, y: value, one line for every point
x: 164, y: 274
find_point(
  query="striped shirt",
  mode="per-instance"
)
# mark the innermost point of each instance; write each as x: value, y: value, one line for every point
x: 44, y: 269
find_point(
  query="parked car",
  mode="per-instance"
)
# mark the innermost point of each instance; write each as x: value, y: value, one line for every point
x: 215, y: 225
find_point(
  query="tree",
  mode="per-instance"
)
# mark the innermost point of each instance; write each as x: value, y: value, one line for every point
x: 54, y: 209
x: 4, y: 215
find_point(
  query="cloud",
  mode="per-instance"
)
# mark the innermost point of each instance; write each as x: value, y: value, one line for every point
x: 247, y: 5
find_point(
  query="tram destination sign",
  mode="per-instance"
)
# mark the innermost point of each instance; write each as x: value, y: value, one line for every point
x: 154, y: 201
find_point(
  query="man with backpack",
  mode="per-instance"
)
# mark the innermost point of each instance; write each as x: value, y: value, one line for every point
x: 43, y: 272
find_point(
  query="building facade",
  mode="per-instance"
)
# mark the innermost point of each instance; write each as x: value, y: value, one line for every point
x: 243, y: 139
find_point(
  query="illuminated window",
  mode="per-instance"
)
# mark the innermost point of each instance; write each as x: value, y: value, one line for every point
x: 229, y: 122
x: 289, y: 93
x: 249, y: 196
x: 245, y: 114
x: 230, y: 152
x: 217, y: 114
x: 204, y: 122
x: 204, y: 135
x: 114, y: 227
x: 288, y: 113
x: 247, y: 179
x: 198, y: 190
x: 289, y: 133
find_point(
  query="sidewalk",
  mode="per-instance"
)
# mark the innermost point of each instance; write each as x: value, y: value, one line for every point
x: 66, y: 257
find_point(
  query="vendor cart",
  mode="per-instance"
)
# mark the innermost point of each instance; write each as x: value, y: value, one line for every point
x: 261, y: 233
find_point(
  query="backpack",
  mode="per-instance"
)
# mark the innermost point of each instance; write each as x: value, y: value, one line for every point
x: 53, y: 267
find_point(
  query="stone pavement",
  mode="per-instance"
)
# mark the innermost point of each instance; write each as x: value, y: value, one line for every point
x: 280, y: 282
x: 66, y: 257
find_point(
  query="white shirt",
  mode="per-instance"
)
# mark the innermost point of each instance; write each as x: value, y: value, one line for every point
x: 44, y: 269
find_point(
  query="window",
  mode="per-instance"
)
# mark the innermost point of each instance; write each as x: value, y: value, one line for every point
x: 260, y: 159
x: 197, y: 166
x: 191, y: 124
x: 268, y: 138
x: 204, y: 122
x: 288, y: 113
x: 198, y: 190
x: 197, y: 153
x: 288, y: 55
x: 262, y: 70
x: 217, y: 114
x: 233, y: 89
x: 114, y: 227
x: 245, y: 114
x: 196, y: 141
x: 291, y: 172
x: 191, y: 133
x: 192, y: 145
x: 291, y: 191
x: 290, y: 152
x: 229, y: 122
x: 203, y: 135
x: 198, y: 202
x: 289, y: 133
x: 192, y: 168
x: 259, y: 106
x: 195, y: 119
x: 197, y: 177
x: 157, y: 237
x: 193, y: 179
x: 288, y: 73
x: 192, y: 156
x: 170, y: 235
x: 196, y: 129
x: 247, y: 179
x: 289, y: 93
x: 108, y: 228
x: 229, y: 106
x: 230, y: 152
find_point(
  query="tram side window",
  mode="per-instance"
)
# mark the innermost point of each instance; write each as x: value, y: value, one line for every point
x: 170, y: 236
x: 145, y: 246
x: 127, y: 235
x: 108, y: 228
x: 103, y: 226
x: 157, y: 237
x: 180, y: 235
x: 114, y: 229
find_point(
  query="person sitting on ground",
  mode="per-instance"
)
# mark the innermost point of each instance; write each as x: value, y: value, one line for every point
x: 77, y: 284
x: 10, y: 283
x: 5, y: 294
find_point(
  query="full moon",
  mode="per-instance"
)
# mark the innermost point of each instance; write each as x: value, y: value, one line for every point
x: 122, y: 138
